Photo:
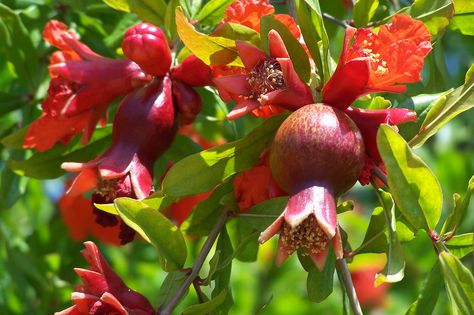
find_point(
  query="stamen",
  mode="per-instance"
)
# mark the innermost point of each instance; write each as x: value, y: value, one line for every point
x: 265, y: 77
x: 308, y: 235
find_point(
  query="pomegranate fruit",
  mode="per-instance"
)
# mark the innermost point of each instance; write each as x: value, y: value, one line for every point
x: 316, y: 155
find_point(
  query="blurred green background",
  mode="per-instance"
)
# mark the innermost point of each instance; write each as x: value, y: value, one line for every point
x: 37, y: 256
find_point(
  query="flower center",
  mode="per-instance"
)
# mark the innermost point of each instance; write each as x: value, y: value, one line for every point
x: 265, y: 77
x: 307, y: 235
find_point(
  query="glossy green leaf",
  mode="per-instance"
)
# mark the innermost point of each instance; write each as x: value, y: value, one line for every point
x: 207, y: 307
x: 238, y: 32
x: 364, y: 11
x: 263, y: 214
x: 121, y: 5
x: 297, y: 54
x: 446, y: 108
x: 156, y: 229
x: 152, y: 11
x: 456, y: 217
x: 414, y: 187
x: 395, y: 266
x: 314, y: 33
x: 222, y: 275
x: 212, y: 50
x: 213, y: 12
x: 436, y: 14
x: 461, y: 245
x: 319, y: 284
x: 46, y: 165
x: 429, y: 294
x: 464, y: 15
x: 203, y: 171
x: 170, y: 19
x: 206, y: 213
x: 459, y: 283
x: 18, y: 47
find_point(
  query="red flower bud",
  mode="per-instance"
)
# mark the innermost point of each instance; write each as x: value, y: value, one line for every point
x: 192, y: 71
x: 146, y: 44
x: 188, y: 102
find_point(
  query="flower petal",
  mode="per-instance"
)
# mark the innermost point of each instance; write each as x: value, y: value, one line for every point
x: 250, y: 54
x: 242, y: 108
x: 276, y: 45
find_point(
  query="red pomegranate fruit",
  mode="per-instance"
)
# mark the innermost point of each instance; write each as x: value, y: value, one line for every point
x: 317, y: 154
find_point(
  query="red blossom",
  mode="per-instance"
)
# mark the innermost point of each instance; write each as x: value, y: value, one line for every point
x: 82, y: 86
x: 103, y: 291
x: 267, y: 84
x: 192, y: 71
x: 376, y: 62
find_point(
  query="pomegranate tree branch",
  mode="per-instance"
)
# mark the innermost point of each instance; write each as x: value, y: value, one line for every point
x: 345, y: 275
x: 335, y: 20
x: 168, y: 309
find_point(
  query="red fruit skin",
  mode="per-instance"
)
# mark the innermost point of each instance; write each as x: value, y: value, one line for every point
x: 146, y: 45
x: 192, y: 71
x: 317, y: 145
x: 187, y: 101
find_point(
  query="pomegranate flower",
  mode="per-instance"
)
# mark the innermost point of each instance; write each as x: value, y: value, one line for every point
x: 376, y: 62
x: 82, y: 86
x: 103, y: 291
x: 268, y: 84
x: 144, y: 128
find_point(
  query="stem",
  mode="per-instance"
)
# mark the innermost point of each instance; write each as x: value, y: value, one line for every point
x: 168, y: 309
x: 345, y: 274
x: 380, y: 175
x: 197, y: 288
x: 335, y: 20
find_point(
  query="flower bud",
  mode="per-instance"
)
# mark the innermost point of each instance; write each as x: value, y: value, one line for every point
x: 146, y: 45
x: 192, y: 71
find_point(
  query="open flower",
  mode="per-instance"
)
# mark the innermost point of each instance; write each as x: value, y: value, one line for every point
x: 144, y: 127
x: 267, y: 84
x: 378, y: 62
x: 82, y: 86
x: 103, y: 291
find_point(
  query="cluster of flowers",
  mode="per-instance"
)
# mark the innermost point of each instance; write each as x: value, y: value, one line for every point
x: 159, y: 98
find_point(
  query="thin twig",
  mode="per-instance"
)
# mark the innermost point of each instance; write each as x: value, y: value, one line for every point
x: 168, y: 309
x: 380, y: 175
x: 335, y: 20
x: 197, y: 288
x: 345, y: 275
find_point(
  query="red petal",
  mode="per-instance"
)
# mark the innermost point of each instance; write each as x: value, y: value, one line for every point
x: 250, y: 54
x: 270, y: 231
x: 276, y: 45
x: 242, y: 108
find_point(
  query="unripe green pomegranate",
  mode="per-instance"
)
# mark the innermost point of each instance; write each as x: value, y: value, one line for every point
x: 317, y: 154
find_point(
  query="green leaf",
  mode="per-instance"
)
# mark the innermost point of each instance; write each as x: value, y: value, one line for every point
x: 213, y: 263
x: 121, y: 5
x: 170, y: 19
x: 207, y: 307
x: 297, y: 54
x: 394, y: 268
x: 156, y: 229
x: 428, y: 296
x: 205, y: 214
x: 46, y: 165
x: 414, y: 187
x: 170, y: 286
x: 462, y: 20
x: 222, y: 276
x: 364, y: 11
x: 152, y: 11
x: 18, y: 47
x: 213, y: 12
x: 456, y: 217
x: 315, y: 35
x: 375, y: 240
x: 436, y: 14
x: 238, y: 32
x: 15, y: 139
x: 203, y: 171
x: 319, y: 284
x: 459, y: 283
x: 446, y: 108
x: 263, y: 214
x: 461, y: 245
x: 212, y: 50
